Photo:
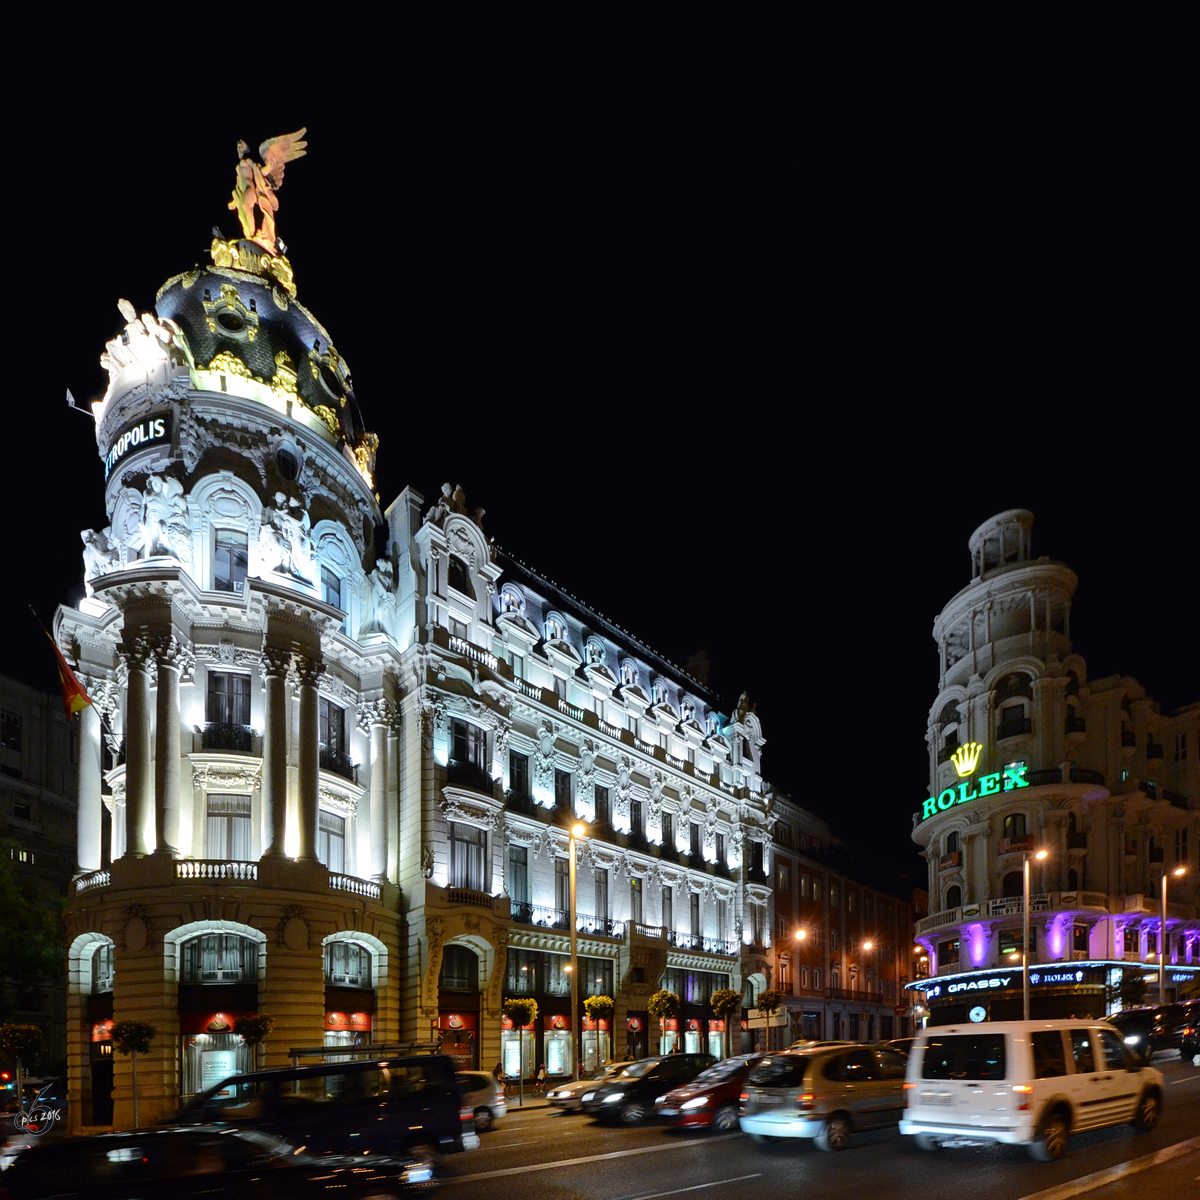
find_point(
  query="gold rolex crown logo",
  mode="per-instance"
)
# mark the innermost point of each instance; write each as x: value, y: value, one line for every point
x: 965, y: 758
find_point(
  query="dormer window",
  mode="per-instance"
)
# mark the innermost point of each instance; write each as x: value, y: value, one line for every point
x: 555, y: 629
x: 595, y: 653
x: 660, y: 694
x: 458, y: 576
x: 713, y: 725
x: 628, y: 675
x: 510, y: 602
x: 688, y: 711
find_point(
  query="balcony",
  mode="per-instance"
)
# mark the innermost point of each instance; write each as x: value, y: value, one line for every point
x: 471, y: 898
x: 599, y: 926
x: 220, y: 735
x: 1077, y: 841
x: 945, y: 754
x: 337, y: 762
x: 1015, y: 728
x: 355, y: 886
x: 1076, y: 726
x: 949, y: 861
x: 1015, y: 845
x: 88, y: 883
x: 852, y: 995
x: 462, y: 772
x: 539, y: 914
x: 1085, y: 775
x: 196, y: 868
x: 1011, y: 906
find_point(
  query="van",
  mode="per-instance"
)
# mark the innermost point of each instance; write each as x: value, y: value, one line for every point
x: 1030, y: 1083
x: 381, y: 1106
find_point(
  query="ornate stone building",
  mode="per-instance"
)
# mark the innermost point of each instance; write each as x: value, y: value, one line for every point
x: 1027, y: 753
x: 335, y: 750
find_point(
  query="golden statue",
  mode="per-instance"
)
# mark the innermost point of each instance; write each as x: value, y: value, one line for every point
x: 256, y: 186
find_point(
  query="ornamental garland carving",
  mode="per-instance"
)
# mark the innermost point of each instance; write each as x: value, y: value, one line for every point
x: 543, y: 762
x: 654, y: 806
x: 228, y: 655
x: 341, y: 802
x: 624, y: 788
x: 427, y: 860
x: 458, y: 807
x: 226, y: 776
x: 338, y: 688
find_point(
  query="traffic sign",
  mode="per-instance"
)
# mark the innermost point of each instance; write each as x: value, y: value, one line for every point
x: 901, y: 1010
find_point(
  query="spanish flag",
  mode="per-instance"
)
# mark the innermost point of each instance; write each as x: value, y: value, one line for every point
x: 74, y: 697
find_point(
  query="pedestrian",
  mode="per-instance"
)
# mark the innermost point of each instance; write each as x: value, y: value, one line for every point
x: 498, y: 1072
x: 540, y: 1086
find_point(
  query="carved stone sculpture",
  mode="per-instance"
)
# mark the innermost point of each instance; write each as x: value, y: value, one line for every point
x: 381, y: 599
x: 99, y: 557
x: 254, y: 198
x: 284, y: 541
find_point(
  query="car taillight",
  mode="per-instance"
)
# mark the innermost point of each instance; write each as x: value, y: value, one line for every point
x: 804, y: 1102
x: 1022, y: 1090
x: 744, y: 1096
x: 466, y: 1113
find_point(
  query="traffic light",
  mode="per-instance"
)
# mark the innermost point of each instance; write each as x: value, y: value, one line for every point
x: 5, y: 1081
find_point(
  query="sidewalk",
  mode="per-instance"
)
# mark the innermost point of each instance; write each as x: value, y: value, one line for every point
x: 531, y: 1101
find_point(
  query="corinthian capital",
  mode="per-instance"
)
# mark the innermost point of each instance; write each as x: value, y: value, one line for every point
x: 170, y: 652
x: 276, y: 660
x: 376, y: 712
x: 308, y: 672
x: 137, y: 652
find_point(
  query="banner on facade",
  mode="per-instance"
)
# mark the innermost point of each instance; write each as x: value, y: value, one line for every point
x: 216, y: 1022
x: 458, y: 1022
x: 360, y: 1022
x: 600, y: 1023
x: 506, y: 1023
x: 558, y: 1021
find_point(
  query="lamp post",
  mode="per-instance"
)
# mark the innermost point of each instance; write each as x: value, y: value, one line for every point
x: 1162, y: 937
x: 576, y: 1040
x: 1025, y: 933
x: 866, y: 949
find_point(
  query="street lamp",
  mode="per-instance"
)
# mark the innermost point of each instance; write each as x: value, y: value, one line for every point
x: 1162, y: 937
x: 576, y: 1040
x: 1025, y: 931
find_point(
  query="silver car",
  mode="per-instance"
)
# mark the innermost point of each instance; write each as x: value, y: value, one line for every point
x: 826, y: 1094
x: 568, y: 1096
x: 484, y: 1095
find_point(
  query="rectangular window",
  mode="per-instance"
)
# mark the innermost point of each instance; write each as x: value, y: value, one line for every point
x: 596, y: 977
x: 668, y: 906
x: 523, y: 976
x: 965, y: 1056
x: 603, y: 807
x: 560, y: 687
x: 1181, y: 846
x: 518, y: 874
x: 331, y: 727
x: 518, y: 666
x: 694, y: 913
x: 458, y: 578
x: 835, y: 941
x: 228, y: 701
x: 637, y: 818
x: 518, y: 773
x: 783, y: 834
x: 723, y: 920
x: 722, y: 861
x: 1010, y: 941
x: 816, y: 979
x: 602, y: 893
x: 756, y: 858
x: 695, y: 839
x: 468, y: 744
x: 458, y: 629
x: 804, y: 977
x: 228, y: 831
x: 562, y: 790
x: 833, y: 895
x: 1181, y: 747
x: 562, y: 884
x: 331, y: 588
x: 668, y: 831
x: 331, y: 841
x: 468, y: 857
x: 780, y: 930
x: 10, y: 731
x: 948, y: 952
x: 783, y: 879
x: 849, y: 901
x: 231, y: 560
x: 348, y: 965
x: 758, y: 922
x: 635, y: 899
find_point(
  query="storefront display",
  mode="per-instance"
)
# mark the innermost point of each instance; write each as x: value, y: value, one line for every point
x: 597, y: 1043
x: 211, y: 1051
x: 516, y: 1049
x: 556, y: 1048
x: 716, y: 1039
x: 693, y: 1036
x: 458, y: 1037
x: 669, y: 1035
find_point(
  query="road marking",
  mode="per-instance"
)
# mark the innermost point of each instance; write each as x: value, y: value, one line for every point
x: 450, y: 1181
x: 1098, y: 1179
x: 1193, y: 1079
x: 697, y: 1186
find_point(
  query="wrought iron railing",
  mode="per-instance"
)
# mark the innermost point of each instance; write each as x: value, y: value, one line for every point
x: 599, y: 926
x: 222, y: 735
x: 336, y: 761
x: 538, y: 914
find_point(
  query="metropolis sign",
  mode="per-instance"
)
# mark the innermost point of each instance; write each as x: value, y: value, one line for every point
x: 137, y: 434
x: 965, y: 759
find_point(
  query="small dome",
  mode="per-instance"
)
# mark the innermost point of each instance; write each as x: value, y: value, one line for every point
x: 1003, y: 539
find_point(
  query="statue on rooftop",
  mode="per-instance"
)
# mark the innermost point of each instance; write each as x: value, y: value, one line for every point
x: 254, y: 191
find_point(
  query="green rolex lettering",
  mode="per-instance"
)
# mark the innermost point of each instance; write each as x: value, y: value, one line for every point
x: 947, y: 799
x: 929, y: 809
x: 962, y: 793
x: 1014, y: 777
x: 989, y: 784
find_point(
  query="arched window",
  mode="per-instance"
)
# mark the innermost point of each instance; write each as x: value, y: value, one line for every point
x: 510, y: 601
x: 952, y: 847
x: 595, y: 652
x: 102, y: 968
x: 460, y: 970
x: 1013, y: 884
x: 628, y: 674
x: 713, y: 724
x: 688, y: 711
x: 954, y: 897
x: 660, y: 694
x: 1014, y: 825
x: 1072, y: 824
x: 347, y: 964
x: 220, y: 958
x: 555, y: 629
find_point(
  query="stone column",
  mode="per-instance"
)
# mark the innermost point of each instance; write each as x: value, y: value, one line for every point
x: 172, y: 658
x: 375, y: 718
x: 393, y: 800
x: 275, y: 664
x: 308, y: 678
x: 90, y: 806
x: 139, y: 787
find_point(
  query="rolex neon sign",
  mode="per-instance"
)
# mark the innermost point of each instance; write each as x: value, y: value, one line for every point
x: 965, y: 760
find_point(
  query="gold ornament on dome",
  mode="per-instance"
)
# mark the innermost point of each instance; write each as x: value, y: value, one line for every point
x: 364, y: 457
x: 328, y: 416
x: 232, y: 317
x: 254, y: 198
x: 274, y: 268
x: 284, y: 383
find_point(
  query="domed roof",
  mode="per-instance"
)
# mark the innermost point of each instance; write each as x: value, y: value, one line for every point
x: 243, y: 325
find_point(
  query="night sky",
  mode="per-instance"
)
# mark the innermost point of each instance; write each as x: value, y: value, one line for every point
x: 745, y: 386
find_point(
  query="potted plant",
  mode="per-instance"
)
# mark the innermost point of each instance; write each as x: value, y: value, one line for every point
x: 768, y: 1004
x: 664, y: 1006
x: 254, y: 1031
x: 726, y: 1005
x: 133, y: 1038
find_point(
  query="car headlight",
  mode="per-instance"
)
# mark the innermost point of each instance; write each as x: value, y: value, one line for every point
x: 557, y: 1095
x: 698, y: 1102
x: 587, y: 1096
x: 418, y: 1172
x: 1132, y: 1040
x: 612, y: 1098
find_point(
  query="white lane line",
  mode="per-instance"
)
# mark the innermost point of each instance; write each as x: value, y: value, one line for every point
x: 1098, y: 1179
x: 451, y: 1180
x: 1194, y: 1079
x: 697, y: 1186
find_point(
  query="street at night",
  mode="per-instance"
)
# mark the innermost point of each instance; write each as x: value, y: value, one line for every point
x: 554, y: 1156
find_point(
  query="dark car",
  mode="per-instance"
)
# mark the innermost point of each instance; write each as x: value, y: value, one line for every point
x: 169, y: 1164
x: 630, y: 1096
x: 380, y: 1107
x: 1189, y: 1033
x: 711, y: 1099
x: 1146, y: 1031
x: 900, y: 1045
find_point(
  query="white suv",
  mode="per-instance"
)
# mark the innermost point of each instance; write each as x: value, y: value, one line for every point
x: 1028, y: 1083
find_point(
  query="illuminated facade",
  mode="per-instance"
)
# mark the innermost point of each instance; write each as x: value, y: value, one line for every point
x: 1028, y: 754
x: 335, y: 749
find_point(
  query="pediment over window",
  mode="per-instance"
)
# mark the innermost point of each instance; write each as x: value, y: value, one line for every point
x: 514, y: 624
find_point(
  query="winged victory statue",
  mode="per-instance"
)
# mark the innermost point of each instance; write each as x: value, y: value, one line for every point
x: 254, y: 198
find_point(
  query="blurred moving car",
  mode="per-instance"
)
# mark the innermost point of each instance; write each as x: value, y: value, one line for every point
x: 826, y: 1094
x: 485, y: 1096
x: 630, y: 1095
x: 806, y: 1044
x: 1189, y: 1037
x: 168, y: 1164
x: 382, y: 1106
x: 1146, y: 1031
x: 900, y: 1045
x: 568, y: 1096
x: 711, y: 1099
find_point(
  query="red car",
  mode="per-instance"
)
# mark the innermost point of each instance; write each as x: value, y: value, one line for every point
x: 711, y: 1099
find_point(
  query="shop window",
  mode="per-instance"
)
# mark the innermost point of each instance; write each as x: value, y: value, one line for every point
x: 460, y: 970
x: 468, y: 857
x: 596, y: 977
x: 459, y: 577
x: 523, y: 974
x: 348, y: 964
x: 228, y: 828
x: 102, y: 968
x: 331, y: 841
x: 220, y: 958
x: 231, y: 561
x: 953, y: 897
